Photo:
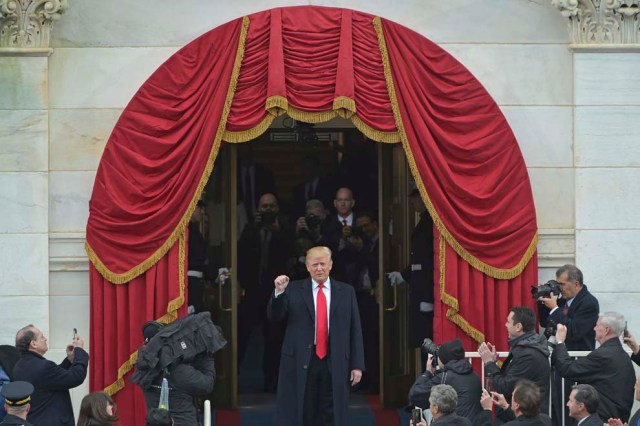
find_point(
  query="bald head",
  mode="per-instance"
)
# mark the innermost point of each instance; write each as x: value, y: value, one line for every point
x: 344, y: 201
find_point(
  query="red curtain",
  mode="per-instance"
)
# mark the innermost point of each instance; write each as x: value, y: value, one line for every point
x: 314, y: 64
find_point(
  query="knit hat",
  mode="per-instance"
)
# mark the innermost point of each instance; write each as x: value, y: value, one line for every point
x: 450, y: 351
x: 150, y: 329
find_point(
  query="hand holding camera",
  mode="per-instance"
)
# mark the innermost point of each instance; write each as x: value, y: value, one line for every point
x: 631, y: 341
x: 561, y: 333
x: 417, y: 418
x: 547, y: 293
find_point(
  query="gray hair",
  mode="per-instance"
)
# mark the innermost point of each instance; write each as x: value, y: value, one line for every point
x: 614, y: 320
x: 314, y: 204
x: 573, y: 273
x: 587, y: 395
x: 445, y: 398
x: 24, y: 337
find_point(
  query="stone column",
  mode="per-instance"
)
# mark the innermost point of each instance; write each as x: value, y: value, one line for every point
x: 606, y: 45
x: 24, y: 163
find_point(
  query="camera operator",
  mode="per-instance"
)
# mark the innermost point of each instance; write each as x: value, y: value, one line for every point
x: 527, y: 359
x: 311, y: 224
x: 453, y: 370
x: 263, y: 250
x: 578, y: 310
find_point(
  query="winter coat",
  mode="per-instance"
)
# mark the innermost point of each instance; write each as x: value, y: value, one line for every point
x: 528, y: 359
x: 460, y: 375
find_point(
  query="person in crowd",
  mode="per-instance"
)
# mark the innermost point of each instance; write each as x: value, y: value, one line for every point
x: 159, y: 417
x: 17, y: 399
x: 312, y: 225
x: 186, y: 381
x: 523, y: 411
x: 454, y: 370
x: 50, y: 401
x: 336, y: 234
x: 97, y: 409
x: 322, y: 354
x: 9, y: 355
x: 197, y: 260
x: 419, y: 275
x: 528, y: 356
x: 254, y: 179
x: 635, y: 419
x: 442, y: 405
x: 583, y: 405
x: 577, y: 309
x: 263, y: 250
x: 608, y: 368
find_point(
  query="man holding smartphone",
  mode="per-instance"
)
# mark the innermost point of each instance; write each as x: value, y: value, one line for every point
x: 50, y: 402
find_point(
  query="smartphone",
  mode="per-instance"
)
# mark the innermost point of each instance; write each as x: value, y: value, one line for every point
x: 416, y: 416
x: 75, y: 332
x: 626, y: 330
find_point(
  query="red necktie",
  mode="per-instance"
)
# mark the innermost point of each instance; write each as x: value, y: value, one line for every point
x: 565, y: 309
x: 322, y: 328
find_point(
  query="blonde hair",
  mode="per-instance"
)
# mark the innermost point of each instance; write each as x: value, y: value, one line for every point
x: 318, y: 251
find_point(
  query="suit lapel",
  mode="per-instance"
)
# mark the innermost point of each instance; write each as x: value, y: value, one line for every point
x: 307, y: 296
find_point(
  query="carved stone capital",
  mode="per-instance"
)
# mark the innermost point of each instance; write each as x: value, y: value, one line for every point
x: 27, y: 23
x: 600, y: 22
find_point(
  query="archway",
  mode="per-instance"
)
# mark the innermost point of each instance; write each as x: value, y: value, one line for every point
x: 312, y: 63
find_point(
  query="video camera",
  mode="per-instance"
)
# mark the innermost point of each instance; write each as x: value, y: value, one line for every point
x: 267, y: 218
x: 544, y: 290
x: 312, y: 221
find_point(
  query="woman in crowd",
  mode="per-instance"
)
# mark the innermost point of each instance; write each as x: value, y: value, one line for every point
x: 97, y: 409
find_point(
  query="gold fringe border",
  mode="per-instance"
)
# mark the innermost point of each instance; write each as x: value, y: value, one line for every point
x: 454, y: 306
x: 125, y: 277
x: 489, y: 270
x: 170, y: 316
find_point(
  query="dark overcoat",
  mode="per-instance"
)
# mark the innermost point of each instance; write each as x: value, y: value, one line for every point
x: 50, y: 401
x: 296, y: 306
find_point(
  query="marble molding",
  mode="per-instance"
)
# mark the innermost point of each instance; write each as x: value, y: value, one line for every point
x: 601, y: 21
x: 28, y: 23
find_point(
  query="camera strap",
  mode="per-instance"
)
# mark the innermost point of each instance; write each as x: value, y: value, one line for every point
x: 443, y: 381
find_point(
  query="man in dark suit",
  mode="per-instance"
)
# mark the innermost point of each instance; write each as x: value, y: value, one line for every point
x: 578, y: 311
x: 583, y: 405
x: 50, y: 402
x: 608, y: 369
x: 336, y: 233
x: 322, y: 353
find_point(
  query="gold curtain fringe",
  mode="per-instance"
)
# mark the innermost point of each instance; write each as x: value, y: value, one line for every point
x: 454, y: 306
x: 250, y: 134
x: 485, y: 268
x: 344, y: 106
x: 170, y: 316
x: 371, y: 133
x: 276, y: 105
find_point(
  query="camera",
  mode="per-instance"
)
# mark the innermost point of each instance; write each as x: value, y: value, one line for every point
x: 550, y: 329
x: 416, y: 416
x: 267, y: 218
x: 312, y: 221
x: 544, y: 290
x: 428, y: 347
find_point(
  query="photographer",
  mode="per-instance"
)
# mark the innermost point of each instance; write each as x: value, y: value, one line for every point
x: 577, y: 309
x: 454, y: 370
x: 311, y: 224
x: 263, y: 250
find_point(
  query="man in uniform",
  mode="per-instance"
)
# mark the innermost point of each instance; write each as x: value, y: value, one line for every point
x: 17, y: 398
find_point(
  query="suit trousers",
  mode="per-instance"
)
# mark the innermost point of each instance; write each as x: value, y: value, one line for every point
x: 318, y: 394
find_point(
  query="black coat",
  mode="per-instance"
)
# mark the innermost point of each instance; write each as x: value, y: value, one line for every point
x: 185, y: 382
x: 608, y: 369
x: 507, y: 417
x: 634, y: 419
x: 528, y: 359
x: 451, y: 420
x: 595, y: 420
x: 11, y: 420
x: 50, y: 401
x: 345, y: 347
x: 579, y: 320
x: 460, y: 375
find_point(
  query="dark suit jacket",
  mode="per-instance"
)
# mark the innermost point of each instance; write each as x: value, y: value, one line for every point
x: 50, y: 402
x: 345, y: 347
x: 634, y: 419
x: 580, y: 320
x: 593, y: 420
x: 608, y: 369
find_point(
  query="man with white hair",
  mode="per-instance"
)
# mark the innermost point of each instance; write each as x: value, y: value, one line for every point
x: 608, y: 369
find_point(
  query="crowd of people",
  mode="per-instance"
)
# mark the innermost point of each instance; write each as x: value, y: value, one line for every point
x: 596, y: 389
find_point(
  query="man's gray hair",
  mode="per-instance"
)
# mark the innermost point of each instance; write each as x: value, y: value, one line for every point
x: 314, y: 204
x: 445, y: 398
x: 573, y: 273
x: 24, y: 337
x: 614, y: 320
